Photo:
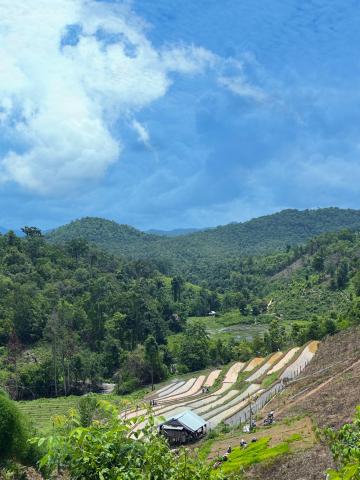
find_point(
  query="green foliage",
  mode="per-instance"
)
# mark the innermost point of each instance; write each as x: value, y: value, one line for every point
x: 14, y: 433
x: 42, y: 411
x: 269, y: 380
x: 276, y: 337
x: 241, y: 458
x: 152, y: 359
x: 356, y: 283
x: 345, y: 446
x: 70, y: 316
x: 87, y: 408
x: 201, y: 255
x: 107, y: 450
x: 194, y: 347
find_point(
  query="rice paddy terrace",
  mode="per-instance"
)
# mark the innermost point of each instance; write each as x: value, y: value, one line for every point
x: 243, y: 386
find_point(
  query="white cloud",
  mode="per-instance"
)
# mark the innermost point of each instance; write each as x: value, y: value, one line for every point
x: 143, y: 134
x: 58, y: 103
x: 241, y: 87
x: 189, y: 59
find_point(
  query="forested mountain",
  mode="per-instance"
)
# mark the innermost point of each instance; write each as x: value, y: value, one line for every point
x: 73, y: 315
x: 192, y: 254
x: 321, y: 277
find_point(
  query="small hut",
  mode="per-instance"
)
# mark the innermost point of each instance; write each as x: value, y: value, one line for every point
x: 183, y: 428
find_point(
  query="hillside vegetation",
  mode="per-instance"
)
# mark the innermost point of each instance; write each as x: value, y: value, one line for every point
x: 73, y: 315
x: 192, y: 254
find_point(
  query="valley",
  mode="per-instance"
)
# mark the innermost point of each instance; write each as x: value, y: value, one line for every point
x: 236, y: 337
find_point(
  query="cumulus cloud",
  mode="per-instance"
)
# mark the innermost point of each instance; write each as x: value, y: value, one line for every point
x: 69, y: 69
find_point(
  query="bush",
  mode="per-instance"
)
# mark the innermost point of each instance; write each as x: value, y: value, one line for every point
x: 14, y: 433
x: 128, y: 386
x: 87, y: 407
x: 106, y: 450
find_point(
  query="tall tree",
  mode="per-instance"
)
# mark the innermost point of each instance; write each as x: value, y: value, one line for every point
x: 194, y: 347
x: 177, y: 284
x: 32, y: 232
x: 152, y: 356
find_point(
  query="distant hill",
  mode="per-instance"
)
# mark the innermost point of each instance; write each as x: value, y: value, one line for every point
x: 190, y: 252
x: 173, y: 233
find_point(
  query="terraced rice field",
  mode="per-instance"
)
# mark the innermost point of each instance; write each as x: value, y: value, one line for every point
x: 265, y: 367
x: 284, y: 361
x: 230, y: 402
x: 169, y: 389
x: 212, y: 378
x: 42, y: 411
x: 254, y: 363
x: 300, y: 363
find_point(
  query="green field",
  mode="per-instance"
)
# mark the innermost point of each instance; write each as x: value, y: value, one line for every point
x: 231, y: 324
x: 41, y: 411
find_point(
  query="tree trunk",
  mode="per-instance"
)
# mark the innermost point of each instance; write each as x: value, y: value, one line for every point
x: 55, y: 368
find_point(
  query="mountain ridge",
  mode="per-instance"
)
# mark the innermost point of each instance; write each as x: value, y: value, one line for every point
x: 191, y: 251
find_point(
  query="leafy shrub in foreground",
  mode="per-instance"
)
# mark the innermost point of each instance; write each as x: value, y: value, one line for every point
x: 345, y: 446
x: 14, y: 433
x: 110, y: 449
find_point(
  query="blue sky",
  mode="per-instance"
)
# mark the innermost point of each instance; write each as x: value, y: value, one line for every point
x: 175, y: 113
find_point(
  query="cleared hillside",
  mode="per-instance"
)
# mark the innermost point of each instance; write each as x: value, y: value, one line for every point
x: 328, y: 392
x: 329, y: 389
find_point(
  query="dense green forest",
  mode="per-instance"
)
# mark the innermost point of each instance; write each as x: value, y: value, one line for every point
x: 73, y: 316
x: 193, y: 254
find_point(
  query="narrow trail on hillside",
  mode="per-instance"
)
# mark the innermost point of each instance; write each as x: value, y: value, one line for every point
x: 316, y: 389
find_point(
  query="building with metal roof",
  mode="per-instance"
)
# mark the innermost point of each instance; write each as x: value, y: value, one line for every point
x: 183, y: 427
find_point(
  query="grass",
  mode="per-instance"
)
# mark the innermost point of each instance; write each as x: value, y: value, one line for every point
x: 205, y: 448
x: 42, y: 411
x: 269, y: 380
x: 272, y: 442
x: 227, y: 319
x: 230, y: 324
x: 257, y: 452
